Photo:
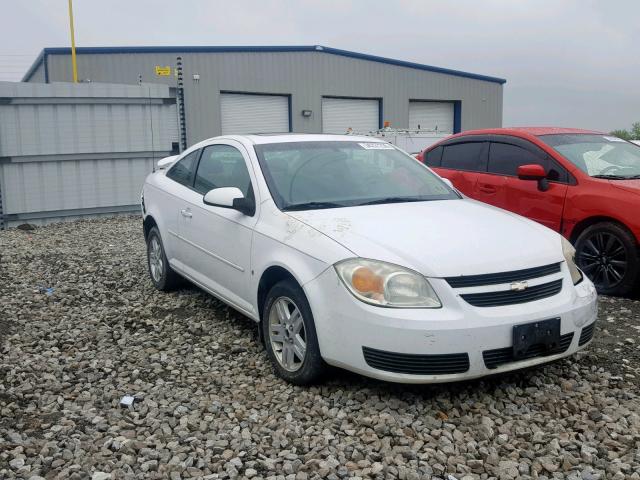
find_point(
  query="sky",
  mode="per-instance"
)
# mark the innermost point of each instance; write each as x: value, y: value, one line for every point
x: 573, y: 63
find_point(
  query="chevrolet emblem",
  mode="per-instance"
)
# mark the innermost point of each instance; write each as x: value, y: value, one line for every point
x: 519, y: 286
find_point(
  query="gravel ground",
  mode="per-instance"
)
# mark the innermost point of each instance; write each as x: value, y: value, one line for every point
x: 208, y: 404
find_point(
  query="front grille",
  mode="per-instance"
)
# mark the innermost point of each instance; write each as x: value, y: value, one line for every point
x: 503, y: 277
x: 587, y: 334
x: 512, y: 297
x: 500, y: 356
x: 416, y: 364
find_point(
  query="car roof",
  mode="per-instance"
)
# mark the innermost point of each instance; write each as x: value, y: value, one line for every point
x: 262, y: 138
x: 525, y: 131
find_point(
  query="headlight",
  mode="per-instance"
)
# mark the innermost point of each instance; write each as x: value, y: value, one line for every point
x: 570, y: 257
x: 386, y: 285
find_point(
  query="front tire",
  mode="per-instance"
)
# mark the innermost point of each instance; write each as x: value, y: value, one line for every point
x: 608, y: 254
x: 290, y: 335
x: 163, y: 277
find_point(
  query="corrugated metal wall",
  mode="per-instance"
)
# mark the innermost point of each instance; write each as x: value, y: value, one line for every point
x: 38, y: 75
x: 306, y: 76
x: 72, y: 150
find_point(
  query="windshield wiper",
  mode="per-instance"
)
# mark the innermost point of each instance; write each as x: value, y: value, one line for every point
x: 312, y: 206
x: 609, y: 177
x: 392, y: 200
x: 631, y: 177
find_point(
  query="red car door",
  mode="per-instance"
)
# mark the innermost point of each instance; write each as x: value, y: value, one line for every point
x: 491, y: 189
x: 529, y: 198
x: 460, y: 162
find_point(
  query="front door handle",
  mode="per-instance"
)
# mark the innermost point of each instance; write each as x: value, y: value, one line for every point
x: 186, y: 213
x: 488, y: 189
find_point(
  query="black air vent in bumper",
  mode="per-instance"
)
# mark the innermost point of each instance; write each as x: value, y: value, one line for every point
x: 587, y: 334
x: 503, y: 277
x: 500, y: 356
x: 512, y: 297
x: 416, y: 364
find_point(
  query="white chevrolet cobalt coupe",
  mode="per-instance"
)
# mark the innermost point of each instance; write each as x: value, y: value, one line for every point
x: 347, y: 251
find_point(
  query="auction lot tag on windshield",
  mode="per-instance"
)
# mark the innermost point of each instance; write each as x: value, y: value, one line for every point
x: 376, y: 146
x: 615, y: 139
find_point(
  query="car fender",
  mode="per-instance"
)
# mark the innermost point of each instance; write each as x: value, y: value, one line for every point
x: 268, y: 252
x: 151, y: 200
x: 291, y: 244
x: 581, y: 206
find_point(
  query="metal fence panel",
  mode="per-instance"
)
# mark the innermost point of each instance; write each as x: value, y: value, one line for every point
x: 73, y: 150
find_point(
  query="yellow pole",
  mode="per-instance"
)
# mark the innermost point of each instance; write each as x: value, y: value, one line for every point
x: 74, y: 64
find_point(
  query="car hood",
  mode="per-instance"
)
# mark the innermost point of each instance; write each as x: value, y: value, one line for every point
x: 439, y: 238
x: 632, y: 186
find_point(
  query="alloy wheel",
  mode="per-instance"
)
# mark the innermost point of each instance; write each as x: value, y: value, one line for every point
x: 156, y: 263
x: 603, y: 258
x: 287, y: 334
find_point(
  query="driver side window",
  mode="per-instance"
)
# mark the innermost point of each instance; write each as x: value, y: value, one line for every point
x: 505, y: 158
x: 222, y: 166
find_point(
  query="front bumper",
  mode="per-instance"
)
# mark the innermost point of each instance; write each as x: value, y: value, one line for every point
x: 347, y: 327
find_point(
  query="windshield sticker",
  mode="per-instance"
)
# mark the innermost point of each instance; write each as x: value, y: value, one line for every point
x: 615, y: 139
x: 376, y: 146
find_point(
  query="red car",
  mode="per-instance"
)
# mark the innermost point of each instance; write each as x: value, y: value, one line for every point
x: 583, y: 184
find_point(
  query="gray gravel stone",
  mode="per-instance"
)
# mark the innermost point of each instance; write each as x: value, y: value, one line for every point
x: 208, y: 405
x: 17, y: 463
x: 100, y: 476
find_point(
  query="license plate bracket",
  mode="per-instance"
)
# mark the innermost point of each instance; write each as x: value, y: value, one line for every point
x: 543, y: 333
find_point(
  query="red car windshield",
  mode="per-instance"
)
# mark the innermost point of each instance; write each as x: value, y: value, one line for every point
x: 600, y: 156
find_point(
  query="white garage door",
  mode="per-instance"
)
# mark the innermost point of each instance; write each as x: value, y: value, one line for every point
x: 433, y: 116
x: 242, y: 113
x: 340, y: 114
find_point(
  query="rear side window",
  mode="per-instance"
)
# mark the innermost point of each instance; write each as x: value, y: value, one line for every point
x: 464, y: 156
x: 433, y: 157
x: 184, y: 171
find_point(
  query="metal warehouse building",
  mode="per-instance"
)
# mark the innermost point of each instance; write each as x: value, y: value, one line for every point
x: 223, y: 90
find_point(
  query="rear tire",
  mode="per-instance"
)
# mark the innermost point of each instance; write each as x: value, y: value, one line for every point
x: 290, y: 335
x: 162, y: 276
x: 608, y: 254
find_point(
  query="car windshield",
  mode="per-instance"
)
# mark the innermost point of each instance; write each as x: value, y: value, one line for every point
x: 601, y: 156
x: 332, y: 174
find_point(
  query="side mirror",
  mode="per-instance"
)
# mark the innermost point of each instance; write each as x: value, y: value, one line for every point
x: 230, y: 197
x: 534, y: 172
x: 531, y: 172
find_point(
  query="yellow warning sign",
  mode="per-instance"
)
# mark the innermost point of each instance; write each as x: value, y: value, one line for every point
x: 163, y: 71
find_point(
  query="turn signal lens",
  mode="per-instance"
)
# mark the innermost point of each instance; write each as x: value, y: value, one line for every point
x: 385, y: 284
x: 366, y: 282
